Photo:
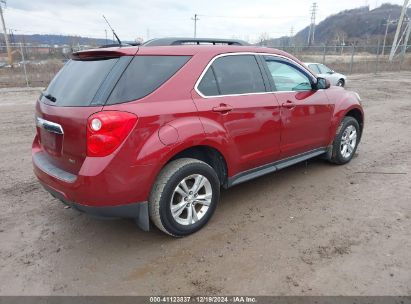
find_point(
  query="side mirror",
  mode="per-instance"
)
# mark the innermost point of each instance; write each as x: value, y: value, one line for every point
x: 322, y: 83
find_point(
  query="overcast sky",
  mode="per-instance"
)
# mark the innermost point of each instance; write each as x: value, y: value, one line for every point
x: 244, y: 19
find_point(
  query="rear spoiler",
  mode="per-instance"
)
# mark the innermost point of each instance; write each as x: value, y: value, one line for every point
x: 96, y: 54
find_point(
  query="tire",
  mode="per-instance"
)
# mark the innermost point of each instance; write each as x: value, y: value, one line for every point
x: 169, y: 191
x: 345, y: 147
x: 341, y: 83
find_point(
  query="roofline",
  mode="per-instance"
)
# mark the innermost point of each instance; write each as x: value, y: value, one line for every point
x: 193, y: 41
x: 183, y: 50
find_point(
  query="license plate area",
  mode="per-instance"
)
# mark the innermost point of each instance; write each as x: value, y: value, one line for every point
x: 52, y: 143
x: 51, y: 136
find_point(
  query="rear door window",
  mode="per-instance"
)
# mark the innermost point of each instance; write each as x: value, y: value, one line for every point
x: 78, y: 82
x: 144, y: 75
x: 238, y: 74
x: 208, y: 85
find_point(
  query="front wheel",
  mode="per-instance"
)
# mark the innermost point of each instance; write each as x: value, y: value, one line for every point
x: 341, y: 83
x: 346, y: 141
x: 184, y: 196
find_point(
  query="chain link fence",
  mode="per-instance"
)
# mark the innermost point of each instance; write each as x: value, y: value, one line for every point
x: 354, y: 59
x: 35, y: 66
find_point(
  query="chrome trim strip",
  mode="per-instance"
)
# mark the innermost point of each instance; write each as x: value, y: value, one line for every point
x: 245, y: 53
x: 49, y: 126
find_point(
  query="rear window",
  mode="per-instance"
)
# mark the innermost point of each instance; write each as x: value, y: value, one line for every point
x: 77, y: 82
x: 144, y: 75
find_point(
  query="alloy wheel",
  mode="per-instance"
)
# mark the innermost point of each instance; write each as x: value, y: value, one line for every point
x: 191, y: 199
x: 348, y: 141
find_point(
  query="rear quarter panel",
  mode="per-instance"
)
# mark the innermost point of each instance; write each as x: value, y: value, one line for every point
x: 168, y: 123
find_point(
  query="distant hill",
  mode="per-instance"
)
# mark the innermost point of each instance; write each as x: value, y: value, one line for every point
x: 350, y: 26
x: 57, y: 40
x: 360, y: 25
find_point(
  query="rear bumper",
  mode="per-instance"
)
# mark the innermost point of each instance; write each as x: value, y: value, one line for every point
x: 136, y: 211
x: 111, y: 187
x: 100, y: 182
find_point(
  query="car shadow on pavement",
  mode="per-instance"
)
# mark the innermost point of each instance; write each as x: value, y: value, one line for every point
x: 241, y: 197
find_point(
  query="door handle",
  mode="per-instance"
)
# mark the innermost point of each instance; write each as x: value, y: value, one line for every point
x: 223, y: 108
x: 289, y: 104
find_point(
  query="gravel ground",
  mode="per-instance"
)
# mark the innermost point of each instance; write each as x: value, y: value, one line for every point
x: 312, y: 229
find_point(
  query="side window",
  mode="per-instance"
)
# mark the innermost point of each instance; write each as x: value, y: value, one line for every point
x: 208, y: 85
x: 314, y: 68
x: 286, y: 77
x: 238, y: 74
x: 144, y: 75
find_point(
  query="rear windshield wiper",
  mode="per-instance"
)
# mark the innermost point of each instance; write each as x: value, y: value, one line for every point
x: 49, y: 96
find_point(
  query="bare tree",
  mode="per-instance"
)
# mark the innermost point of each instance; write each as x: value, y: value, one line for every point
x: 264, y: 37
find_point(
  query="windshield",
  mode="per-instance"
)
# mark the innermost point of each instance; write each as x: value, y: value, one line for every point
x: 77, y: 82
x: 324, y: 69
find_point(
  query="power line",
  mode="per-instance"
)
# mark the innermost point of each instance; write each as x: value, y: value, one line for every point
x: 251, y: 17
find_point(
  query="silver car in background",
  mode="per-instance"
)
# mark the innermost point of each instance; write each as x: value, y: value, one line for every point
x: 336, y: 79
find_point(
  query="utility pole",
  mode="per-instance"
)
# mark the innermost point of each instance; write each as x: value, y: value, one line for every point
x: 195, y: 19
x: 314, y: 12
x: 292, y: 36
x: 386, y: 32
x: 311, y: 33
x: 105, y: 31
x: 397, y: 33
x: 6, y: 37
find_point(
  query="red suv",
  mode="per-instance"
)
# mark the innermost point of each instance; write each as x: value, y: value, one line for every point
x: 154, y: 131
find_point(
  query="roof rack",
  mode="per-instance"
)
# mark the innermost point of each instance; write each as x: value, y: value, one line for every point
x: 191, y: 41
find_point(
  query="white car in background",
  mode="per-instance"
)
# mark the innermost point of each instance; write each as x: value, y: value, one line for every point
x: 336, y: 79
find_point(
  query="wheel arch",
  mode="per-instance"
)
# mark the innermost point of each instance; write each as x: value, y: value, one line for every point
x: 208, y: 154
x: 354, y: 111
x: 343, y: 109
x: 358, y: 115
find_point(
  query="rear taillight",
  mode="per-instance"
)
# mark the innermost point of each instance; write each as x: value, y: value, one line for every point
x: 106, y: 130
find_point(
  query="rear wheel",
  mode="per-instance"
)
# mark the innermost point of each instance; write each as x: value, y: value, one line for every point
x: 184, y: 196
x: 341, y: 83
x: 346, y: 141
